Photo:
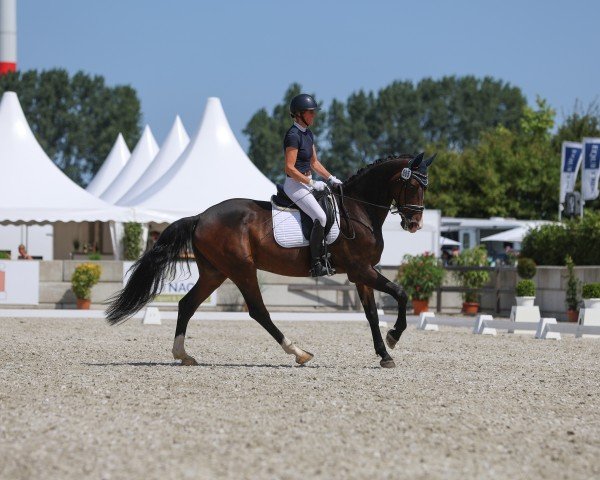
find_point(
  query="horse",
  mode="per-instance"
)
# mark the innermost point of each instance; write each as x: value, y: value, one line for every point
x: 365, y: 199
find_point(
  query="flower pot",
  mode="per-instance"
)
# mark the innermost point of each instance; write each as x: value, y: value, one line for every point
x: 420, y: 306
x: 591, y: 302
x: 83, y: 303
x: 572, y: 315
x: 525, y: 301
x: 470, y: 308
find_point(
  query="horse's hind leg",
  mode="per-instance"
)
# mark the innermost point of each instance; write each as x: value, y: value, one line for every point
x: 248, y: 285
x: 210, y: 279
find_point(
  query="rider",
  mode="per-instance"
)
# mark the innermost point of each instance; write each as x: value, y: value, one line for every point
x: 300, y: 160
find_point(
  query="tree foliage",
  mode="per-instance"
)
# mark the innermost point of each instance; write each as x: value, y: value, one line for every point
x: 75, y: 119
x: 403, y: 117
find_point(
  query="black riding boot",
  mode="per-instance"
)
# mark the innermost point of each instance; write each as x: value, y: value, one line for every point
x: 317, y: 250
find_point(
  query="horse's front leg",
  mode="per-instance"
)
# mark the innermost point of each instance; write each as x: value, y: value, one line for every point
x: 372, y: 278
x: 367, y: 298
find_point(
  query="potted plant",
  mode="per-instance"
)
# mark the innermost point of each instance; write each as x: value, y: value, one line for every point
x: 420, y: 276
x: 591, y: 295
x: 571, y: 298
x: 525, y: 290
x: 525, y: 293
x: 85, y: 276
x: 472, y: 279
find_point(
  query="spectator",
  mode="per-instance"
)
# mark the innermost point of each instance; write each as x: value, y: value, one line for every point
x: 23, y: 255
x: 152, y: 238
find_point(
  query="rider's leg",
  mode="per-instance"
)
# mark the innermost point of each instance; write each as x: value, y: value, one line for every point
x: 317, y: 250
x: 301, y: 195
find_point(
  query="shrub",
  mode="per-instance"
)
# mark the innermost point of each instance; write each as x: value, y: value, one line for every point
x: 571, y: 298
x: 472, y: 280
x: 526, y: 288
x: 95, y: 256
x: 420, y: 275
x: 85, y: 276
x: 591, y: 290
x: 547, y: 244
x: 526, y: 268
x: 132, y: 240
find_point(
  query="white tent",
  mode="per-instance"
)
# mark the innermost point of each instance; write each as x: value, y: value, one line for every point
x: 141, y: 157
x: 34, y: 189
x: 114, y: 163
x: 176, y: 142
x: 211, y: 169
x: 513, y: 235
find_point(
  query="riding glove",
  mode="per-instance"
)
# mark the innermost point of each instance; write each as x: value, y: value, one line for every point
x: 334, y: 180
x: 318, y: 185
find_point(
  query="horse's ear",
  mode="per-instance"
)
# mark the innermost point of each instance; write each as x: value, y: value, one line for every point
x: 430, y: 160
x: 415, y: 162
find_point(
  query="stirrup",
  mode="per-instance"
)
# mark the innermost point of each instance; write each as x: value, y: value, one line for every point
x: 327, y: 264
x: 318, y: 270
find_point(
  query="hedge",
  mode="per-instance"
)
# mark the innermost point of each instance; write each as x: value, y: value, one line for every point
x: 579, y: 238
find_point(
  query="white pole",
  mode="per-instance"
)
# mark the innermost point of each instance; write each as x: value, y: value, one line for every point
x: 8, y: 36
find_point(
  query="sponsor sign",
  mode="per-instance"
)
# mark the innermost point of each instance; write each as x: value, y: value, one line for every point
x: 570, y: 162
x: 174, y: 290
x: 591, y: 168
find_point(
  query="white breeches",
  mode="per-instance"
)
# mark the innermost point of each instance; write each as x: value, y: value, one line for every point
x: 300, y: 193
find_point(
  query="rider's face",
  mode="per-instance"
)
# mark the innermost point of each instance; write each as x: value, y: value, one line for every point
x: 309, y: 117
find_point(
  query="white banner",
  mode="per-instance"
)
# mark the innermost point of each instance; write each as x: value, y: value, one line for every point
x: 175, y: 290
x: 19, y: 282
x: 570, y: 162
x: 591, y: 168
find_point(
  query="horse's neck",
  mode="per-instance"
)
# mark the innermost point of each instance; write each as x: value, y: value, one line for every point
x: 372, y: 188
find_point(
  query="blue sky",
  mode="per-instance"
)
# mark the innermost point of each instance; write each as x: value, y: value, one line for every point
x: 177, y: 53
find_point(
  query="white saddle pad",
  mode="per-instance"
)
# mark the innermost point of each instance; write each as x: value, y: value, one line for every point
x: 288, y: 231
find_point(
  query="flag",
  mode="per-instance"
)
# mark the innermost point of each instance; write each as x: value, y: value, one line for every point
x: 570, y: 162
x: 591, y: 168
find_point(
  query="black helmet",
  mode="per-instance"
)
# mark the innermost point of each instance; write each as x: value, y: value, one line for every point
x: 301, y: 103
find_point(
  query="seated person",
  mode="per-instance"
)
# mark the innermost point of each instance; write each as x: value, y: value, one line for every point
x: 23, y: 255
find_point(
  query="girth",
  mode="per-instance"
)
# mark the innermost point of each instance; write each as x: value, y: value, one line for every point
x: 325, y: 201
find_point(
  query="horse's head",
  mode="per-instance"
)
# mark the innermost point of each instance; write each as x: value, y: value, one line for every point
x: 408, y: 192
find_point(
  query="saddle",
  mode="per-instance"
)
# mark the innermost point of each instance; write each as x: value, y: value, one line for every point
x: 325, y: 199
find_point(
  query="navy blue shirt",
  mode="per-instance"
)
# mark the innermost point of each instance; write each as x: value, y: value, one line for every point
x: 303, y: 141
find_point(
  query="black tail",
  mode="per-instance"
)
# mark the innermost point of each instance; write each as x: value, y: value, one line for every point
x: 149, y: 272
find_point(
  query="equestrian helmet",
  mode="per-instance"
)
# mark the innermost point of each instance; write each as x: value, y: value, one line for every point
x: 301, y: 103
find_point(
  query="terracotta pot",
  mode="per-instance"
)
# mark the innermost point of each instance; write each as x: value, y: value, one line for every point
x: 83, y: 304
x: 470, y: 308
x: 572, y: 315
x: 420, y: 306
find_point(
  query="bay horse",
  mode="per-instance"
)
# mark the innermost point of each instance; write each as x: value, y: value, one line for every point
x: 235, y: 238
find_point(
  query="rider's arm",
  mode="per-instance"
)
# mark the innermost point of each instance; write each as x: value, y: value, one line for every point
x: 318, y: 166
x: 290, y: 166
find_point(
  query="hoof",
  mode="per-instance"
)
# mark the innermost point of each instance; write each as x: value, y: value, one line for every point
x: 305, y: 357
x: 388, y: 363
x: 390, y: 340
x: 188, y: 361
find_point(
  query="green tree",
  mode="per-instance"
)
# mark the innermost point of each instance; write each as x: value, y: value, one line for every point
x: 578, y: 124
x: 75, y: 119
x: 451, y: 112
x: 508, y: 173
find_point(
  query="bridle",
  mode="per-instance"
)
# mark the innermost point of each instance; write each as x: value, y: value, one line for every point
x: 403, y: 210
x: 409, y: 208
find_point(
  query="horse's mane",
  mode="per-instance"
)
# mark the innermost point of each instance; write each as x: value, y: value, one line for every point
x: 367, y: 168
